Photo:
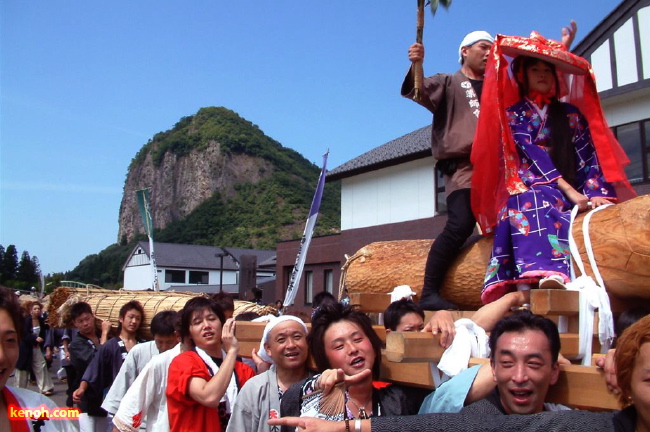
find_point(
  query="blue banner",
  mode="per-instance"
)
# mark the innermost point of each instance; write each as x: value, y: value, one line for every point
x: 296, y: 274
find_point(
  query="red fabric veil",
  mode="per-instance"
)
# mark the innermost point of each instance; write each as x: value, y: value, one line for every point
x: 494, y: 155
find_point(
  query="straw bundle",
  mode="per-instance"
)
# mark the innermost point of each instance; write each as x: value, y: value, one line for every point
x: 245, y: 306
x: 26, y: 299
x: 106, y: 305
x: 62, y: 293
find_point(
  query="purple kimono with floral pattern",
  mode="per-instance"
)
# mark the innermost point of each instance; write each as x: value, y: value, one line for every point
x: 531, y: 237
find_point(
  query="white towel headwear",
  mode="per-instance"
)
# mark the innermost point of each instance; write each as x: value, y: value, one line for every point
x: 267, y: 333
x: 471, y: 38
x: 400, y: 292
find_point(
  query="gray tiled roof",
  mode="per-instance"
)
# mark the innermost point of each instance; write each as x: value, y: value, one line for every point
x: 200, y: 257
x: 262, y: 255
x: 188, y: 256
x: 412, y: 146
x: 271, y: 262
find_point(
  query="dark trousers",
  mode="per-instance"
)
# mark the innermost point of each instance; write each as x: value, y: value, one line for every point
x: 71, y: 374
x: 445, y: 248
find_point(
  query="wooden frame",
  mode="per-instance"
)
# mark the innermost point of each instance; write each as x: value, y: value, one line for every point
x: 578, y: 386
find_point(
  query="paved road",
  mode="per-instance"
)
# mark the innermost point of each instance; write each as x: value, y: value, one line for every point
x: 60, y: 387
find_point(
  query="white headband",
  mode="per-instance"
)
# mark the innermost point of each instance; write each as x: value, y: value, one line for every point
x: 470, y: 39
x: 267, y: 333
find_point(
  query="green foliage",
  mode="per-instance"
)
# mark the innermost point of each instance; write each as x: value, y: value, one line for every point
x: 20, y: 275
x: 234, y: 134
x: 258, y: 215
x: 433, y: 5
x: 105, y: 268
x: 53, y: 281
x: 27, y: 270
x: 9, y: 264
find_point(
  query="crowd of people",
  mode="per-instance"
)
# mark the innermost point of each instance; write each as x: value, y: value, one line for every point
x: 191, y: 376
x: 538, y: 158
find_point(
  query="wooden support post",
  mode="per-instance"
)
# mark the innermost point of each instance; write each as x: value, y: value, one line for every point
x: 413, y: 347
x: 554, y: 302
x: 370, y: 302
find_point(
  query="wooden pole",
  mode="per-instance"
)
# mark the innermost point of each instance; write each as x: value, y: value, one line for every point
x: 418, y: 69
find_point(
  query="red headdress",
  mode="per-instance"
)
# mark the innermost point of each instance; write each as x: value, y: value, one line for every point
x: 494, y: 155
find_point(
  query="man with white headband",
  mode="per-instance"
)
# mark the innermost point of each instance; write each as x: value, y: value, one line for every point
x: 454, y: 101
x: 284, y: 344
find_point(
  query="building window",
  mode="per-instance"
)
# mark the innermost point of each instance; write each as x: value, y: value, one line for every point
x: 329, y: 281
x: 309, y: 287
x: 635, y: 140
x: 174, y: 276
x: 199, y: 277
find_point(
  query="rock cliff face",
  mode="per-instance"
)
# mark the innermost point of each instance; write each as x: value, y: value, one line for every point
x: 180, y: 183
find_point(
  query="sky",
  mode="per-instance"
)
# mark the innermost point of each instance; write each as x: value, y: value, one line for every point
x: 85, y: 84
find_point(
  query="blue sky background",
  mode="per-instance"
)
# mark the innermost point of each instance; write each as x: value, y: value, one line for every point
x: 85, y: 84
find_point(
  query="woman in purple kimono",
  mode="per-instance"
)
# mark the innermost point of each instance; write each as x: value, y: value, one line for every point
x: 535, y: 158
x: 559, y: 166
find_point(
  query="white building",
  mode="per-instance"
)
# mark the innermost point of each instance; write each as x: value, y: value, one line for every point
x: 619, y: 51
x: 197, y: 268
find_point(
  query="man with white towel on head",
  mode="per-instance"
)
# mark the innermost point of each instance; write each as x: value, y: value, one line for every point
x: 284, y: 345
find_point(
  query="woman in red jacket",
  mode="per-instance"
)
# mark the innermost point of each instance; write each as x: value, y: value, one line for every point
x: 204, y: 381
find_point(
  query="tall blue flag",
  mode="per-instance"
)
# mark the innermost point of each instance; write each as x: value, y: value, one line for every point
x: 296, y: 274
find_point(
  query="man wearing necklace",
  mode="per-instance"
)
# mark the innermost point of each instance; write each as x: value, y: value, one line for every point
x: 343, y: 342
x: 284, y: 344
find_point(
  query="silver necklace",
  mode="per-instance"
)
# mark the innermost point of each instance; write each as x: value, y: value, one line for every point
x: 361, y: 409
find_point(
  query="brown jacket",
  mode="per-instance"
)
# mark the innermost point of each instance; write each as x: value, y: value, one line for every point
x: 455, y: 108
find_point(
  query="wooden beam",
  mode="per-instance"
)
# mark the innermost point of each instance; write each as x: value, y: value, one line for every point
x: 412, y: 374
x: 247, y: 331
x: 577, y: 386
x: 582, y: 387
x: 377, y: 303
x: 554, y: 302
x: 413, y: 347
x: 400, y: 347
x: 425, y: 347
x: 370, y: 302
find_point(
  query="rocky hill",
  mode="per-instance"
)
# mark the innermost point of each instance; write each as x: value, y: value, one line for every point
x: 215, y: 179
x: 215, y: 173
